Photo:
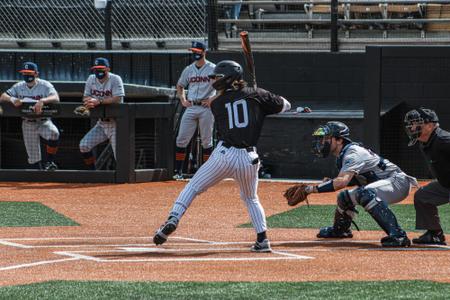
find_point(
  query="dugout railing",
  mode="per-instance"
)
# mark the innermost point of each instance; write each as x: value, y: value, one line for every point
x: 159, y: 116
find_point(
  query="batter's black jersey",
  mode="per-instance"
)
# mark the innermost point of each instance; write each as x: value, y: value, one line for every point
x: 437, y: 154
x: 239, y: 115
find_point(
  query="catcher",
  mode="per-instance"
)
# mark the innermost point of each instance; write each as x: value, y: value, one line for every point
x: 379, y: 183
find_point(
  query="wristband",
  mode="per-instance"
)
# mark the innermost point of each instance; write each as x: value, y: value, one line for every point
x: 325, y: 187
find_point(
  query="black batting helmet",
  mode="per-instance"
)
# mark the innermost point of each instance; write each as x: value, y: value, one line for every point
x: 226, y: 72
x: 414, y: 119
x: 330, y: 129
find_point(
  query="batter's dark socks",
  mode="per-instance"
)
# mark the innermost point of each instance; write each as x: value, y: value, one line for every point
x: 180, y: 156
x: 52, y: 148
x: 207, y: 153
x: 89, y: 159
x: 261, y: 236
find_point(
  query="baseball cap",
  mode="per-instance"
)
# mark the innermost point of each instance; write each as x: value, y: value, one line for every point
x: 197, y: 46
x: 100, y: 63
x: 29, y: 67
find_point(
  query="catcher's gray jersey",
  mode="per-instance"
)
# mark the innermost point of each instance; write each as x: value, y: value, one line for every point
x: 33, y: 128
x: 361, y: 161
x: 389, y: 182
x: 110, y: 88
x: 197, y: 82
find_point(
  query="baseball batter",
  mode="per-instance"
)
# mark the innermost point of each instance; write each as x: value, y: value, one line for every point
x: 40, y: 92
x: 379, y: 181
x: 239, y: 113
x: 102, y: 88
x: 195, y: 79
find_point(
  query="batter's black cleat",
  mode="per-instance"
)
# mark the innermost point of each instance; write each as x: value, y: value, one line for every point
x: 331, y: 233
x: 430, y: 238
x: 262, y: 247
x: 395, y: 241
x: 164, y: 231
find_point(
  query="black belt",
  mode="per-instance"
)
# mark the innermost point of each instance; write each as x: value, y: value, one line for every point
x: 196, y: 102
x: 106, y: 119
x: 35, y: 120
x: 248, y: 149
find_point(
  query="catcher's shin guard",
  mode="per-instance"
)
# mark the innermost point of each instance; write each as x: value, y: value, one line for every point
x: 340, y: 228
x: 384, y: 217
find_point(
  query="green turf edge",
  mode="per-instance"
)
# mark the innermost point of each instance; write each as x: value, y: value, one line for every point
x: 316, y: 216
x: 228, y: 290
x: 31, y: 214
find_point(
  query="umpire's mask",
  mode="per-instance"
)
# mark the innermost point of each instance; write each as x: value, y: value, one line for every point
x: 320, y: 146
x: 414, y: 121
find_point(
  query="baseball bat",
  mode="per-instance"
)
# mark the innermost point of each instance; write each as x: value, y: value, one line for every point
x: 248, y: 56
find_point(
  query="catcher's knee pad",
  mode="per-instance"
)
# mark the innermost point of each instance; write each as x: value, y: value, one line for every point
x: 345, y: 203
x: 367, y: 198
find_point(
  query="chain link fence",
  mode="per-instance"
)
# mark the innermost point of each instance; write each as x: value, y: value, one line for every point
x: 79, y: 20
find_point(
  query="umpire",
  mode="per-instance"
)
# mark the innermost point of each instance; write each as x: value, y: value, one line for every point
x: 422, y: 125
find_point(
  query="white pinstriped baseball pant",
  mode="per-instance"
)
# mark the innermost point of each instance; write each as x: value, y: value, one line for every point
x: 226, y: 163
x: 101, y: 132
x: 32, y: 130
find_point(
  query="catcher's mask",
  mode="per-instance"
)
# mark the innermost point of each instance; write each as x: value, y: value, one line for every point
x: 225, y: 74
x: 414, y: 121
x: 321, y: 145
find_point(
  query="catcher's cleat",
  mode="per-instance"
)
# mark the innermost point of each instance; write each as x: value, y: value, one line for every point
x: 331, y: 232
x: 430, y: 238
x: 395, y: 241
x: 50, y: 166
x: 164, y: 231
x: 262, y: 247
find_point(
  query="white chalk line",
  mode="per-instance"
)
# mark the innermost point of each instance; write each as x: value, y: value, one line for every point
x: 37, y: 263
x: 16, y: 245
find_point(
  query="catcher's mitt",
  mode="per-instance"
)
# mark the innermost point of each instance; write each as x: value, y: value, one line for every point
x: 82, y: 111
x: 296, y: 194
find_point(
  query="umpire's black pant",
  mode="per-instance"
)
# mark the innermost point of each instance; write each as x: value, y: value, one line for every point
x: 426, y: 201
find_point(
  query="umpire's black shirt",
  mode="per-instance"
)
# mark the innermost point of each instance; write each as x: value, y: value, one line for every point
x: 437, y: 154
x: 239, y: 114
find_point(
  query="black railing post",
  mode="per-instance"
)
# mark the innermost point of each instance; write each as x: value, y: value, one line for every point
x: 334, y: 47
x: 108, y: 30
x: 212, y: 25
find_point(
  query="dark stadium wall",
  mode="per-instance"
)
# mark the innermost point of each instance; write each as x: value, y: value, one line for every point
x: 325, y: 82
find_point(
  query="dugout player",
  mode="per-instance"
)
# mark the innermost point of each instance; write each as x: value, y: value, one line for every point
x: 239, y: 113
x: 38, y: 92
x: 422, y: 125
x: 379, y: 181
x: 102, y: 88
x: 195, y: 79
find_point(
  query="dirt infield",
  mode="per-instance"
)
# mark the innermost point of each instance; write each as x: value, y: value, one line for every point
x: 117, y: 222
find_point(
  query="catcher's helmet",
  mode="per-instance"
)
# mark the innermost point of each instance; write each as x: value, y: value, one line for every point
x: 414, y: 120
x: 330, y: 129
x: 225, y: 73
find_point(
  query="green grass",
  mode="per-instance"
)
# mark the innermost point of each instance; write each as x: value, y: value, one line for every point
x: 30, y: 214
x: 317, y: 216
x: 228, y: 290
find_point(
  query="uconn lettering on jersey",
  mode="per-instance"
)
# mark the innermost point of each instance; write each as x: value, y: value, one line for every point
x: 38, y: 97
x: 199, y: 79
x: 101, y: 93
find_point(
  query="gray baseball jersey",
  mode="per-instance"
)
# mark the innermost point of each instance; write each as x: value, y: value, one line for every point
x: 32, y: 129
x: 40, y: 90
x: 110, y: 88
x: 197, y: 82
x: 390, y: 183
